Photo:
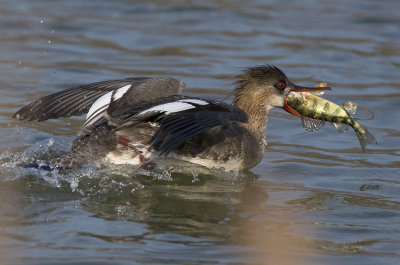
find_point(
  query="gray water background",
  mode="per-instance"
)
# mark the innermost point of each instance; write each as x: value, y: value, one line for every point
x: 315, y: 198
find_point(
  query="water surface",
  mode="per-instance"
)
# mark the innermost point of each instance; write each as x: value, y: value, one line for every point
x: 315, y: 198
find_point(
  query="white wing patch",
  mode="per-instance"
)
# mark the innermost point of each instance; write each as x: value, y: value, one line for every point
x: 102, y: 104
x: 195, y: 101
x: 177, y: 106
x: 121, y: 91
x: 170, y: 107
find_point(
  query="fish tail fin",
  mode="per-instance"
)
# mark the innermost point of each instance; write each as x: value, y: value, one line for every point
x: 364, y: 136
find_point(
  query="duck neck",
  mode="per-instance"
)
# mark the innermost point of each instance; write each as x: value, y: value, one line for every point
x: 257, y: 112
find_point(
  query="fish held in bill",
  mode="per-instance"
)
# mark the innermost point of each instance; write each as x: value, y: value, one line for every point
x: 305, y: 104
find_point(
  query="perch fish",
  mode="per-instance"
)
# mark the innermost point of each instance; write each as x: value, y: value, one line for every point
x: 317, y: 110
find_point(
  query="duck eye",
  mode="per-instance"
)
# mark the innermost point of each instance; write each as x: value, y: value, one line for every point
x: 281, y: 85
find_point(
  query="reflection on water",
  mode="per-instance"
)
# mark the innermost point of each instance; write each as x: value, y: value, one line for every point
x: 315, y: 198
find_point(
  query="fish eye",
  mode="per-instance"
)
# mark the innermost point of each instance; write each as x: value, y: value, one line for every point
x: 281, y: 85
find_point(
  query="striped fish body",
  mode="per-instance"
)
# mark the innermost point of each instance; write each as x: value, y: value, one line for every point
x: 318, y: 108
x: 311, y: 106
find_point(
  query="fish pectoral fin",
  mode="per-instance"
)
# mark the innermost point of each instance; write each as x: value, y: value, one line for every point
x: 311, y: 125
x: 340, y: 127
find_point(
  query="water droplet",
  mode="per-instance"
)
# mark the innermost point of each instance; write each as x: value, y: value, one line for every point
x: 195, y: 177
x: 49, y: 41
x: 41, y: 21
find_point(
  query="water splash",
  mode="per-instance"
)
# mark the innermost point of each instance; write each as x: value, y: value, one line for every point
x: 97, y: 178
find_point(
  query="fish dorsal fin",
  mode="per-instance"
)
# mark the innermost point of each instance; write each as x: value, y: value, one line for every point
x: 319, y: 92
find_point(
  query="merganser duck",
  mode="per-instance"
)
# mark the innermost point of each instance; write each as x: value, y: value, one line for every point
x: 139, y: 120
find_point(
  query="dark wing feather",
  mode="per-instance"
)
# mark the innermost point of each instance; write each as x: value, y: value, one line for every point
x: 150, y: 90
x: 71, y: 105
x: 169, y: 143
x: 127, y: 117
x: 76, y: 101
x: 176, y: 128
x: 54, y: 105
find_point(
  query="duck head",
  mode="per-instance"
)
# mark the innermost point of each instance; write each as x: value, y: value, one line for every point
x: 261, y: 88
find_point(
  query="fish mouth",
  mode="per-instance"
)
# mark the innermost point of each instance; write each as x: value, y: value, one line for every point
x: 296, y: 88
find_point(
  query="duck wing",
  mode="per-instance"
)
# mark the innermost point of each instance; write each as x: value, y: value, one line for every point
x: 95, y: 98
x: 176, y: 119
